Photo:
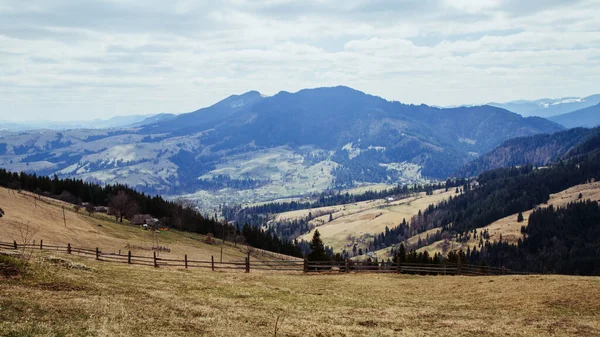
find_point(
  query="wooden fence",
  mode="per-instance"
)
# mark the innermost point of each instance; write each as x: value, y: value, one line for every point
x: 246, y: 265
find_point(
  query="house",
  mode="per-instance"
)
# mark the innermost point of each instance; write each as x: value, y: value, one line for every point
x: 146, y: 221
x: 140, y: 219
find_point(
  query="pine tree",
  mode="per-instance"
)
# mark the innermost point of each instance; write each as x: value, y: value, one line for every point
x: 520, y: 217
x: 317, y: 248
x: 330, y: 217
x: 402, y: 254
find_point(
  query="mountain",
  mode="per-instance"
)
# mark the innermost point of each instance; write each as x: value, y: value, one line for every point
x: 587, y: 117
x: 250, y: 147
x: 538, y: 150
x: 547, y: 107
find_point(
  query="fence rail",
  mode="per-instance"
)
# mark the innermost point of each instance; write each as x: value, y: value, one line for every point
x: 303, y: 266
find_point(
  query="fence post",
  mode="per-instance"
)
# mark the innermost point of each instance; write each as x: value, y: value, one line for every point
x: 503, y: 270
x: 248, y: 264
x: 459, y: 267
x: 305, y: 265
x: 347, y: 266
x: 41, y: 244
x: 97, y: 253
x: 212, y: 262
x: 129, y: 257
x: 68, y: 248
x: 155, y: 262
x: 15, y: 244
x: 221, y: 255
x: 186, y: 266
x: 398, y: 270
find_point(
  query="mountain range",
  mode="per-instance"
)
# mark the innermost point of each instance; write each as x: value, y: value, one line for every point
x: 548, y: 107
x: 251, y: 147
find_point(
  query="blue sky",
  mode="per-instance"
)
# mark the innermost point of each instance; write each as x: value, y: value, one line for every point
x: 76, y: 60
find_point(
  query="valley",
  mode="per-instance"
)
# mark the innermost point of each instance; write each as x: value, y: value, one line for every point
x: 355, y: 224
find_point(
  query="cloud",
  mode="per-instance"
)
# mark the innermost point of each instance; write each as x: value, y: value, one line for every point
x: 97, y: 59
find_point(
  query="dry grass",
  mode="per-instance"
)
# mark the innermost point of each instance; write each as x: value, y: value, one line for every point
x: 360, y: 221
x: 110, y: 300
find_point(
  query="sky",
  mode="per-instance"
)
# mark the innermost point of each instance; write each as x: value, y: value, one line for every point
x: 80, y: 60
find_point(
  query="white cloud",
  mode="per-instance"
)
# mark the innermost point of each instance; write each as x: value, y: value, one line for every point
x: 73, y: 60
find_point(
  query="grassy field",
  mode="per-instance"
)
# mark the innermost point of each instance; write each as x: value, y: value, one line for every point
x: 67, y: 295
x: 360, y: 221
x: 103, y: 299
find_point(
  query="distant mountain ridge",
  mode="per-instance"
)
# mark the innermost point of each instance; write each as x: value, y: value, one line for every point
x: 249, y: 146
x: 548, y: 107
x: 113, y: 122
x: 587, y: 117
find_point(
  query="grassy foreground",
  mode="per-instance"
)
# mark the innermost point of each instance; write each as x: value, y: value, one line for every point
x: 51, y: 298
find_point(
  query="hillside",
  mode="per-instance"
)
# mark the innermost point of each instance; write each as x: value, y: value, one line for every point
x: 538, y: 150
x: 508, y: 229
x: 587, y: 117
x: 43, y: 219
x: 250, y: 148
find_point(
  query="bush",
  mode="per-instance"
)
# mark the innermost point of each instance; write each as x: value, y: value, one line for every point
x: 11, y: 267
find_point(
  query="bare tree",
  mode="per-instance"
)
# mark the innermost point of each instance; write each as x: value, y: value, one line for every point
x: 26, y: 232
x: 90, y: 209
x: 121, y: 206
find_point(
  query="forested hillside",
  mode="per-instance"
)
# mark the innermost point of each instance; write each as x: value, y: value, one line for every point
x: 538, y: 150
x: 572, y: 234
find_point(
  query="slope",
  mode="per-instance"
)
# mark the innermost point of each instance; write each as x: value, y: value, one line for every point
x: 43, y: 219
